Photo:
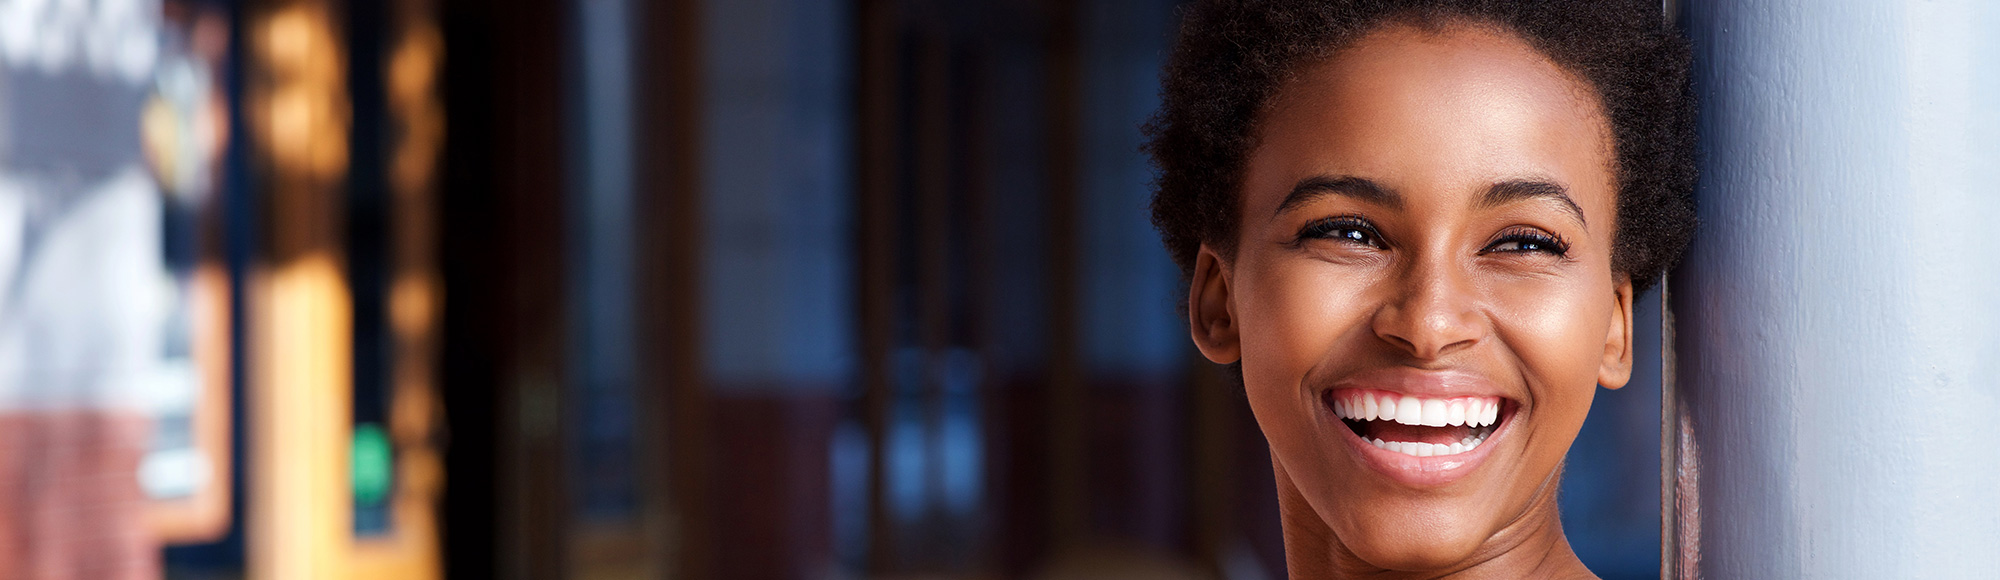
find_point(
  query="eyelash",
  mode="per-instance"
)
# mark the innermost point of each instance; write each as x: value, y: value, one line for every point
x: 1341, y: 228
x: 1354, y: 229
x: 1551, y: 243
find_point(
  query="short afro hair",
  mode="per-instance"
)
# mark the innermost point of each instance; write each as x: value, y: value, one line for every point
x: 1233, y: 55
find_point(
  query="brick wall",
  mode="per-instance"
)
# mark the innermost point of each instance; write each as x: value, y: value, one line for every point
x: 70, y: 503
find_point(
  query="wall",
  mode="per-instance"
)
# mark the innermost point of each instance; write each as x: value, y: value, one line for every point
x: 776, y: 230
x: 1835, y: 318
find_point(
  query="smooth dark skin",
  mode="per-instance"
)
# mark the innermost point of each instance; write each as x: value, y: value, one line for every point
x: 1449, y: 145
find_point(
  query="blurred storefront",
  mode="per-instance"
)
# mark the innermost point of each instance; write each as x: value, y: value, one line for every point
x: 115, y: 305
x: 615, y: 289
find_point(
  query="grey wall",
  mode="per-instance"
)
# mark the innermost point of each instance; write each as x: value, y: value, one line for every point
x: 1838, y: 330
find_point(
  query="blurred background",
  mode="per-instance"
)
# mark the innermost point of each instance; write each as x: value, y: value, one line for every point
x: 617, y: 289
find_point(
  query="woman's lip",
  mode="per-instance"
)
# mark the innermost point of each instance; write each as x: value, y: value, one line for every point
x: 1421, y: 383
x: 1416, y: 471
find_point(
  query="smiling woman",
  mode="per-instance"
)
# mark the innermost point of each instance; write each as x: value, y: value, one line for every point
x: 1419, y: 227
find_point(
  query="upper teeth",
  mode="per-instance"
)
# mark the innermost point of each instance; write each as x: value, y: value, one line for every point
x: 1408, y: 410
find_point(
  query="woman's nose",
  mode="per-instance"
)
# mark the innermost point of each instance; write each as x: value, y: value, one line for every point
x: 1432, y: 312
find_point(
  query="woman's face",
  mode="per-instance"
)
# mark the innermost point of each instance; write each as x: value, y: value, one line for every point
x: 1422, y: 295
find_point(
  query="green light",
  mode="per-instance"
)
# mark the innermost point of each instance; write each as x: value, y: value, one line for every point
x: 374, y: 464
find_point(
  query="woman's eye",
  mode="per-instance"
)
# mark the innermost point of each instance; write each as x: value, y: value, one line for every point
x: 1529, y: 242
x: 1520, y: 246
x: 1342, y: 229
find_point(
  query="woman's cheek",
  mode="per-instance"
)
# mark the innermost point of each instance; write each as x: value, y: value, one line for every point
x: 1305, y: 311
x: 1557, y: 328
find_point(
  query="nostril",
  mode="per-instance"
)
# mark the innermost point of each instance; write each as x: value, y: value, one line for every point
x: 1433, y: 312
x: 1400, y: 342
x: 1425, y: 335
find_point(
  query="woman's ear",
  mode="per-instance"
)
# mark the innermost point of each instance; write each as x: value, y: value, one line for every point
x: 1616, y: 369
x: 1212, y: 309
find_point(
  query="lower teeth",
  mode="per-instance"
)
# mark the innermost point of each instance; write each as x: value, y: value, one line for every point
x: 1418, y: 449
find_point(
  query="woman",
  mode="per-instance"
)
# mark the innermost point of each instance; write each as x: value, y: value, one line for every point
x: 1418, y: 227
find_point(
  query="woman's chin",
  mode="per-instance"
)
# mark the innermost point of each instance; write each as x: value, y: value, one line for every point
x: 1415, y: 545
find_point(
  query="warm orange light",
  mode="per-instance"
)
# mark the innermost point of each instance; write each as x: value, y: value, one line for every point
x: 301, y: 529
x: 304, y: 108
x: 411, y: 551
x: 412, y: 80
x: 298, y: 105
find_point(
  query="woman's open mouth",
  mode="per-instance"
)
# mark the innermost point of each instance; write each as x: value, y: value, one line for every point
x: 1416, y: 426
x: 1420, y: 440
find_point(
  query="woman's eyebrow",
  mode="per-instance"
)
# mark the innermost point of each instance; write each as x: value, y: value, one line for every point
x: 1510, y: 191
x: 1312, y: 188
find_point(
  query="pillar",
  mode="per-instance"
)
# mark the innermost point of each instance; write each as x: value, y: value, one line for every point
x: 1836, y: 332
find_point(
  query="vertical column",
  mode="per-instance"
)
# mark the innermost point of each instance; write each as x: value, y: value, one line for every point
x: 504, y: 316
x: 1834, y: 321
x: 527, y: 47
x: 1068, y: 504
x: 878, y: 136
x: 669, y: 374
x: 931, y: 252
x: 605, y: 437
x: 300, y: 521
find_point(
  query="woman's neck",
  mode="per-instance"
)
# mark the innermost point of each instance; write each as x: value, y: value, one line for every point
x: 1532, y: 546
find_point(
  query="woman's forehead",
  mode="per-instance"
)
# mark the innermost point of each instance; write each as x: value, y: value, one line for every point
x: 1435, y: 112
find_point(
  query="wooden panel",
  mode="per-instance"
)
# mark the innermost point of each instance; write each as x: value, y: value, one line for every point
x: 533, y: 499
x: 877, y: 72
x: 1068, y: 504
x: 671, y: 386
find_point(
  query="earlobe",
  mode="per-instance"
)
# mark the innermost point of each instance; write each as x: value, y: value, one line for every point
x: 1616, y: 369
x: 1212, y: 309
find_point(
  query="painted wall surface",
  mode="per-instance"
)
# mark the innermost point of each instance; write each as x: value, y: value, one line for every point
x: 1131, y: 287
x: 1838, y: 328
x: 776, y: 236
